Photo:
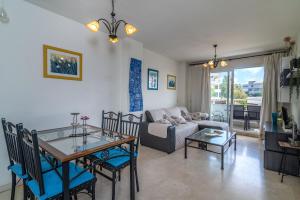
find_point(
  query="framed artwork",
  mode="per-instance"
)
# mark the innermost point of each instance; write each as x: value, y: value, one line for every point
x: 171, y: 82
x: 62, y: 64
x: 152, y: 79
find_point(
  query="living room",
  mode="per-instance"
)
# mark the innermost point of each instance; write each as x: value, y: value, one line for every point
x: 178, y: 69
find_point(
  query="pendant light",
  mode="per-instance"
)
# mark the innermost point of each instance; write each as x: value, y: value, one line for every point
x: 112, y: 26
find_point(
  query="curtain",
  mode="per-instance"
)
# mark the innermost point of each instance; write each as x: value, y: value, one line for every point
x: 270, y: 88
x: 198, y: 89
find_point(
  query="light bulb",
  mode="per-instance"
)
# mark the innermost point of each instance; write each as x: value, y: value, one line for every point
x: 93, y: 26
x: 205, y: 65
x: 211, y: 63
x: 3, y: 15
x: 223, y: 63
x: 130, y: 29
x: 113, y: 39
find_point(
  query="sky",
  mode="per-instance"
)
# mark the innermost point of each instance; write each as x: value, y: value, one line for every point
x: 242, y: 76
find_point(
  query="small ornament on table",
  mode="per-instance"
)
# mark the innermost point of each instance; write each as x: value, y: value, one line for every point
x: 74, y: 123
x: 84, y: 128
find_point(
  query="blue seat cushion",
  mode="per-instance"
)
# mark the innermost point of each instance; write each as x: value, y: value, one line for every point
x: 121, y: 157
x: 53, y: 183
x: 17, y: 168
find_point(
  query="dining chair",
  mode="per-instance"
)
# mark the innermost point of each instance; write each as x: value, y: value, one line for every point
x: 16, y: 162
x: 44, y: 186
x: 16, y: 157
x: 110, y: 121
x: 116, y: 159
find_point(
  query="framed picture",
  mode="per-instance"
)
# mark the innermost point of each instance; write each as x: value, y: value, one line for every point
x: 152, y: 79
x: 171, y: 82
x: 62, y: 64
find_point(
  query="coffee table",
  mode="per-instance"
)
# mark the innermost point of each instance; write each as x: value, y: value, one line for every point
x: 223, y: 140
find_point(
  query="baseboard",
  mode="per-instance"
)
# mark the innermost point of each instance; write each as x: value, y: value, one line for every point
x: 5, y: 187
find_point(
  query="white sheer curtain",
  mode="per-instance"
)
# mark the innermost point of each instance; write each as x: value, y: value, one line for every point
x: 270, y: 88
x: 198, y: 89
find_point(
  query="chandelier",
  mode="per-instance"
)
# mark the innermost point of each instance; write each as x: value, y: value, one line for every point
x: 112, y: 26
x: 215, y: 62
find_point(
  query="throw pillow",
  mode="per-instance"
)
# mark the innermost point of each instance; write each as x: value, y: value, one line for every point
x: 170, y: 119
x: 179, y: 120
x: 199, y: 115
x: 186, y: 116
x: 163, y: 121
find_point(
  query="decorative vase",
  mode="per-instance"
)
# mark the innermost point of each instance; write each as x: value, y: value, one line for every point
x: 274, y: 118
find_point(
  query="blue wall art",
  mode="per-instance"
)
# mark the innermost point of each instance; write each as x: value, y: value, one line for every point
x: 135, y: 85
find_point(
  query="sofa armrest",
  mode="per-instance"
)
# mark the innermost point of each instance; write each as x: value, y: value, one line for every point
x: 164, y: 144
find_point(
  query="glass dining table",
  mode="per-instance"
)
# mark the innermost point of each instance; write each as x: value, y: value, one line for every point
x: 73, y: 142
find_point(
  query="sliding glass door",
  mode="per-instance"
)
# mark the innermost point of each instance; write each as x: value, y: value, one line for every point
x: 221, y: 96
x: 236, y: 96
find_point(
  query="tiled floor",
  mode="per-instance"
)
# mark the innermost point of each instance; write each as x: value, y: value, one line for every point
x: 169, y: 176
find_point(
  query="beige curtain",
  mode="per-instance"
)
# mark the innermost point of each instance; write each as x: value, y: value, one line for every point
x: 198, y: 89
x: 270, y: 88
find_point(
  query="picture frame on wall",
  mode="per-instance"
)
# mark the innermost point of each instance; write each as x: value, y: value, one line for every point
x: 62, y: 64
x: 171, y: 82
x: 152, y: 83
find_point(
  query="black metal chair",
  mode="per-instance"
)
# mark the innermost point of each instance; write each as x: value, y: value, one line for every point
x: 238, y: 112
x: 49, y: 185
x: 110, y: 121
x: 14, y: 154
x: 253, y: 113
x: 116, y: 159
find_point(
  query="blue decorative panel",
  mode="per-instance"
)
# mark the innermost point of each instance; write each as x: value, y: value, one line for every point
x: 135, y: 85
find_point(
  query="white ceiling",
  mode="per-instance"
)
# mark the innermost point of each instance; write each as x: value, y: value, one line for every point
x: 185, y: 30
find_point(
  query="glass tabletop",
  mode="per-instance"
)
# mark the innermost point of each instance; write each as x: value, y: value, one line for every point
x: 74, y: 139
x: 212, y: 136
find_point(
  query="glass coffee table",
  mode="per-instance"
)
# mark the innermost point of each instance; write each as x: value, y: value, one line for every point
x: 213, y: 137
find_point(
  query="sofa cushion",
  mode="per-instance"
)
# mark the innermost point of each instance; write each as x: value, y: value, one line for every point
x: 174, y: 111
x: 158, y: 129
x: 157, y: 114
x: 184, y: 130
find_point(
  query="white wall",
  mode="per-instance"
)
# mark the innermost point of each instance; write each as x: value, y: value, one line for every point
x: 181, y: 88
x: 162, y: 97
x: 46, y: 103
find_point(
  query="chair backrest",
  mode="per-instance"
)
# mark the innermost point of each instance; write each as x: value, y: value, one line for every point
x: 238, y: 112
x: 254, y: 112
x: 110, y: 121
x: 32, y: 158
x: 130, y: 125
x: 13, y: 145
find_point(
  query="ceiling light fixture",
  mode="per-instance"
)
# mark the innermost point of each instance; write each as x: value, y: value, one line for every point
x: 3, y: 15
x: 112, y: 27
x: 214, y: 63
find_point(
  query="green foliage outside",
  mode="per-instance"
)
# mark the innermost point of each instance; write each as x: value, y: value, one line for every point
x: 238, y: 90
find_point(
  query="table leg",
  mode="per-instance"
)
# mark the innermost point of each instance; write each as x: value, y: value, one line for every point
x: 283, y: 167
x: 281, y: 162
x: 132, y: 187
x: 235, y: 142
x: 65, y: 177
x: 185, y: 149
x: 222, y: 158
